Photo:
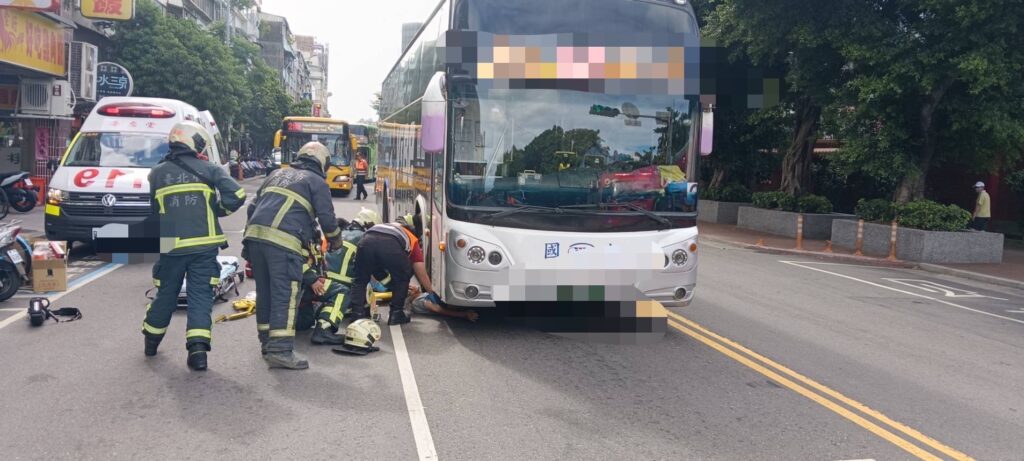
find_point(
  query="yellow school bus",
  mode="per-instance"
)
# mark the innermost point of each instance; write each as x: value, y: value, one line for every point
x: 296, y: 132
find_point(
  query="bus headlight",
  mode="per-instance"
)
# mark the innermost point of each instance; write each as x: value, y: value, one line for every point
x: 476, y: 255
x: 341, y: 178
x: 679, y: 257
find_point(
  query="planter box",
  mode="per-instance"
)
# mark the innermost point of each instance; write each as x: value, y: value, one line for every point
x: 922, y: 246
x: 816, y: 226
x: 717, y: 212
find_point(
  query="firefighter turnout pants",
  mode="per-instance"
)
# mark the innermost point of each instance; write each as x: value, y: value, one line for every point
x: 278, y: 276
x: 168, y: 274
x: 378, y: 253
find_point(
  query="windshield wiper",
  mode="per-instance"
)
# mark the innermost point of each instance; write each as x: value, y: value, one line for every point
x: 519, y: 209
x: 660, y: 219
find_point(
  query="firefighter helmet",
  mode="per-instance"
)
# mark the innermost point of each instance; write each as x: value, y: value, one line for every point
x: 317, y: 152
x: 360, y: 338
x: 368, y: 218
x: 192, y: 135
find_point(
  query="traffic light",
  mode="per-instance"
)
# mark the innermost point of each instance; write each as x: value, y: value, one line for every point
x: 604, y: 111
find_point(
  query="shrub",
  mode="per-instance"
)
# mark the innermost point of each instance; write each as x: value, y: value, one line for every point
x: 734, y: 193
x: 814, y: 204
x: 930, y: 216
x: 876, y: 210
x: 774, y: 201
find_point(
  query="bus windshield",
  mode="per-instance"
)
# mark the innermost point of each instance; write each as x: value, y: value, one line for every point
x: 569, y: 149
x: 118, y: 150
x: 336, y: 144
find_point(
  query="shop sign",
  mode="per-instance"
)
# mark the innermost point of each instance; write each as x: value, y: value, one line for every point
x: 113, y: 80
x: 52, y: 6
x: 29, y: 41
x: 117, y: 10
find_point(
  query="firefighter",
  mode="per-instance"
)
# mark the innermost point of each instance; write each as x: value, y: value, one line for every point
x: 184, y: 191
x: 333, y: 288
x: 279, y: 238
x: 395, y: 248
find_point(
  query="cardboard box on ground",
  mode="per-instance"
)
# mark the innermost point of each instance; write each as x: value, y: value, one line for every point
x: 49, y: 266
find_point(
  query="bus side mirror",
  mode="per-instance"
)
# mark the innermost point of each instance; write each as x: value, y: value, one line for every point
x: 707, y: 132
x: 278, y: 138
x: 433, y: 131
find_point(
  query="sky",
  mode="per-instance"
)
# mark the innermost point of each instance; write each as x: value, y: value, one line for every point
x: 365, y: 37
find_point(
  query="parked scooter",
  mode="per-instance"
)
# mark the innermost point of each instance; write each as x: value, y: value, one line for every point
x: 21, y: 193
x: 15, y: 260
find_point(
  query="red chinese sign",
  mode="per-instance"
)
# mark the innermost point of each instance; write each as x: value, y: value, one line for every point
x: 29, y: 41
x: 120, y: 10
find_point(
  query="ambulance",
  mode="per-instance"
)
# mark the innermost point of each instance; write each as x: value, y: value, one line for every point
x: 103, y: 177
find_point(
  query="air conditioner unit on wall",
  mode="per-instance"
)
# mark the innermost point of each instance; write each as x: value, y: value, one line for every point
x: 83, y: 59
x: 46, y: 97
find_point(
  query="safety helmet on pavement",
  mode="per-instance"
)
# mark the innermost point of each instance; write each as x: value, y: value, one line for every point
x: 317, y: 152
x: 368, y: 218
x: 192, y: 135
x: 360, y: 338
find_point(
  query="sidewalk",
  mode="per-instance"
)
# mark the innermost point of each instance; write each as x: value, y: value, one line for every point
x: 1010, y: 273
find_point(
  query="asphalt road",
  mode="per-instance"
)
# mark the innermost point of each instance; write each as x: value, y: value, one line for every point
x: 778, y: 359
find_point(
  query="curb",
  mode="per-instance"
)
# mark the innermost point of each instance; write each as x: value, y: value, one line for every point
x: 990, y: 279
x: 817, y: 254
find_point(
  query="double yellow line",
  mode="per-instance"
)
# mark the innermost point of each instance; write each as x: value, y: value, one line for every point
x: 874, y: 421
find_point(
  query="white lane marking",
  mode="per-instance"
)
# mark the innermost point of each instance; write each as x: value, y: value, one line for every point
x: 798, y: 264
x: 11, y: 309
x: 417, y: 416
x: 932, y: 287
x: 74, y: 286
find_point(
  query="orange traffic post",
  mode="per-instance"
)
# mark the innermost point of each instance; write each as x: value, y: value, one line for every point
x: 800, y: 232
x: 760, y: 242
x: 828, y: 246
x: 892, y: 241
x: 860, y: 238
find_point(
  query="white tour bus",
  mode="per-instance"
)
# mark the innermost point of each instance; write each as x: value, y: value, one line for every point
x: 551, y: 157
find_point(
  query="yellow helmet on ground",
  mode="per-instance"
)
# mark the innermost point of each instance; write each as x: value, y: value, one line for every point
x: 360, y: 338
x: 192, y: 135
x: 318, y: 152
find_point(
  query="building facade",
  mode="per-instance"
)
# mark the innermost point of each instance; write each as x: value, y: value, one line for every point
x: 280, y: 52
x: 317, y: 56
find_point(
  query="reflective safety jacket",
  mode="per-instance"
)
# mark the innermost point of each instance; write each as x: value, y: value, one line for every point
x: 287, y: 208
x: 188, y: 206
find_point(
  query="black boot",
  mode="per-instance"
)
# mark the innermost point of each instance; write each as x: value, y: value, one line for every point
x: 152, y: 343
x: 325, y: 337
x: 197, y: 357
x: 398, y: 317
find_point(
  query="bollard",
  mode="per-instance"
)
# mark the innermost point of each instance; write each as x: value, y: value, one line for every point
x: 800, y: 232
x: 828, y: 246
x: 892, y: 242
x: 760, y: 242
x: 860, y: 238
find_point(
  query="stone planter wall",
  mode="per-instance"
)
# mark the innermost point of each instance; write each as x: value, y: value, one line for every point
x: 717, y: 212
x: 816, y: 226
x: 922, y: 246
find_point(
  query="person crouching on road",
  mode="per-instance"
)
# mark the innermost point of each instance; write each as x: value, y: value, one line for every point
x: 427, y: 304
x: 184, y: 191
x: 395, y: 248
x: 281, y: 231
x: 333, y: 289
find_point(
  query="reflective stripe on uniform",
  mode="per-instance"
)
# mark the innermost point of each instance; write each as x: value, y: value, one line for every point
x: 293, y: 196
x: 275, y: 236
x: 262, y: 327
x: 156, y: 283
x: 335, y: 314
x: 199, y: 241
x: 240, y: 193
x: 281, y: 213
x: 153, y: 330
x: 214, y: 281
x: 336, y: 233
x: 293, y: 302
x: 282, y: 333
x: 198, y: 333
x: 211, y: 220
x: 342, y: 274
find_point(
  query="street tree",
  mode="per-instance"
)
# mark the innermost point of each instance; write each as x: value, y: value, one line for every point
x: 792, y: 36
x: 930, y: 80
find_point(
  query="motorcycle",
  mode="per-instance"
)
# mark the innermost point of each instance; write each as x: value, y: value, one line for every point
x: 15, y: 260
x: 21, y: 192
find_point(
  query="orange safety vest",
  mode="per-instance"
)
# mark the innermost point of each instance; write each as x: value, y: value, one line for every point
x: 362, y: 167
